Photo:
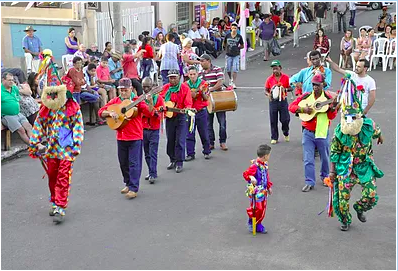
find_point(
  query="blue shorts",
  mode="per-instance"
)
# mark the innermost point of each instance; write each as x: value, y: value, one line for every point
x: 233, y: 63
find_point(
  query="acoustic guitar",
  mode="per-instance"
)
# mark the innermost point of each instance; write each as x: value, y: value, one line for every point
x: 127, y: 110
x: 169, y: 109
x: 321, y: 105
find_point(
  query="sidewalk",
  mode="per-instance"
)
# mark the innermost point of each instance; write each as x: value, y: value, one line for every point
x: 305, y: 30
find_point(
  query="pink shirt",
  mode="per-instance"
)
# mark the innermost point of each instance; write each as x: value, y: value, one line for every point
x: 129, y: 66
x: 103, y: 73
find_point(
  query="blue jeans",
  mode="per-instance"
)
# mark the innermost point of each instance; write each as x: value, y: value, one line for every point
x: 201, y: 123
x: 232, y: 63
x: 217, y: 43
x: 309, y: 143
x: 77, y: 97
x: 151, y: 147
x: 130, y: 160
x: 164, y: 74
x: 222, y: 121
x: 176, y: 130
x: 146, y: 67
x: 352, y: 18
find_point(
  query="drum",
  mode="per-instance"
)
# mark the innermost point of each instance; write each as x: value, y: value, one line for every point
x: 220, y: 101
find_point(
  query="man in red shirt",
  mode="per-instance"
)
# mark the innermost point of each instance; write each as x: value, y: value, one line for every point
x: 151, y: 127
x: 129, y: 138
x: 176, y: 127
x: 129, y: 64
x: 276, y: 90
x: 104, y: 78
x: 200, y: 94
x: 315, y: 131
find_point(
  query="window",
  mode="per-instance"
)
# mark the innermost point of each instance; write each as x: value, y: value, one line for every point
x: 92, y: 5
x: 183, y: 17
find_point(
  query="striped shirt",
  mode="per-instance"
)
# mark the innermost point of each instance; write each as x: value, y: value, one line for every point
x: 169, y: 52
x: 212, y: 75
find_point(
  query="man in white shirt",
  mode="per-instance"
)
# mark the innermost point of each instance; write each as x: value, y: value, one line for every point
x: 361, y: 78
x: 353, y: 9
x: 256, y: 25
x: 202, y: 44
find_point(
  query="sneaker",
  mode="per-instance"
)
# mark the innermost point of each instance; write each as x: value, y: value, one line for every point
x: 344, y: 227
x: 207, y: 156
x: 147, y: 177
x: 361, y: 217
x: 59, y: 215
x: 233, y: 85
x: 223, y: 146
x: 131, y: 195
x: 152, y: 180
x: 52, y: 209
x: 190, y: 158
x: 250, y: 49
x: 287, y: 138
x: 307, y: 188
x: 273, y: 141
x: 125, y: 190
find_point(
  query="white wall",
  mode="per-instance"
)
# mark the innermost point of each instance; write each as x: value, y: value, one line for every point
x: 167, y: 14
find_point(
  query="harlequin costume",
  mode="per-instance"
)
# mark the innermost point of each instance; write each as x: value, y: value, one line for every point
x: 201, y: 88
x: 60, y: 123
x: 259, y: 170
x: 352, y: 156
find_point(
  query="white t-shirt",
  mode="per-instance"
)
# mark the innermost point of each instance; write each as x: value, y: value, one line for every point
x: 194, y: 34
x: 252, y: 6
x: 205, y: 32
x: 368, y: 84
x: 352, y: 6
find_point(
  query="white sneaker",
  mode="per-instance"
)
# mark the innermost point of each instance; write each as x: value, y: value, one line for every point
x: 250, y: 49
x: 233, y: 85
x: 261, y: 43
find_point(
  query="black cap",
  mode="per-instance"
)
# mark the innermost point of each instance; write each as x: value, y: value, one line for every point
x: 173, y: 73
x: 133, y: 42
x: 205, y: 56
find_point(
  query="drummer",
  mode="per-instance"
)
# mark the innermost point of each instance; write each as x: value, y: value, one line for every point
x: 215, y: 77
x: 200, y: 94
x: 276, y: 90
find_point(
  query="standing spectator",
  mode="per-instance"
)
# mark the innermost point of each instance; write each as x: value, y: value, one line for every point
x: 353, y: 10
x: 147, y: 56
x: 10, y: 109
x: 159, y: 28
x: 76, y: 74
x: 129, y: 63
x: 268, y: 32
x: 341, y: 9
x: 321, y: 42
x: 290, y: 13
x: 346, y: 46
x: 33, y: 47
x: 108, y: 50
x: 233, y: 43
x: 93, y: 51
x: 115, y: 67
x: 71, y: 42
x: 104, y: 78
x: 82, y: 54
x: 320, y: 13
x: 256, y: 26
x: 174, y: 31
x: 387, y: 15
x: 160, y: 39
x: 169, y: 54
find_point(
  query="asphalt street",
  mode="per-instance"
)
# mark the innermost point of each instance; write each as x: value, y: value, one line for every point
x: 196, y: 219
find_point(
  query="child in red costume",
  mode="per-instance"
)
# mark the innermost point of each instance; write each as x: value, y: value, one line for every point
x: 258, y: 181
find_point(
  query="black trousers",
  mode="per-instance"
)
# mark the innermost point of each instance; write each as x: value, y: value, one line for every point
x: 279, y: 108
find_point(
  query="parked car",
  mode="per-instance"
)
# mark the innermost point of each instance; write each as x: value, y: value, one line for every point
x: 374, y: 5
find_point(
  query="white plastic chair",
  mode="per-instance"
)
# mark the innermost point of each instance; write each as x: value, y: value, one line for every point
x: 341, y: 61
x: 380, y: 47
x: 67, y: 62
x: 324, y: 55
x: 392, y: 54
x: 377, y: 35
x: 279, y: 30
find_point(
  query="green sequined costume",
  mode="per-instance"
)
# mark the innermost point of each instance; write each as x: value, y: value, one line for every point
x: 354, y: 164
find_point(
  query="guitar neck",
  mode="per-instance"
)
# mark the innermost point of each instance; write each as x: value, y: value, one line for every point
x: 143, y: 97
x: 326, y: 102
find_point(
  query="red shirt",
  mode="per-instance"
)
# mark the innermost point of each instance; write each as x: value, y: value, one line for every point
x: 133, y: 130
x: 77, y: 78
x: 103, y: 74
x: 149, y: 51
x: 311, y: 125
x: 252, y: 170
x: 276, y: 20
x: 283, y: 81
x: 182, y: 98
x: 198, y: 103
x: 129, y: 66
x: 153, y: 122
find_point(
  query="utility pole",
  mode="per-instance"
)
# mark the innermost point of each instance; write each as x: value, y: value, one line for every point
x: 296, y: 34
x: 117, y: 24
x: 83, y: 18
x: 243, y: 34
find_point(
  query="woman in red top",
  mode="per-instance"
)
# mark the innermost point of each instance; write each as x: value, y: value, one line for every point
x: 227, y: 26
x: 147, y: 57
x: 321, y: 42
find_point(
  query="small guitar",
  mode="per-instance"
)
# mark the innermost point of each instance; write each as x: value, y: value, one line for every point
x: 321, y: 105
x: 169, y: 108
x: 126, y: 110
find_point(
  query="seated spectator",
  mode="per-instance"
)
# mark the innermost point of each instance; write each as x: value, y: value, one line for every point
x: 363, y: 47
x: 10, y: 109
x: 371, y: 35
x: 147, y: 57
x: 28, y: 105
x: 202, y: 44
x: 115, y: 67
x: 92, y: 83
x: 204, y: 31
x: 129, y: 63
x: 381, y: 25
x: 228, y: 24
x: 215, y: 34
x: 387, y: 33
x: 92, y: 60
x: 321, y: 42
x: 346, y: 46
x: 82, y: 54
x: 104, y: 77
x: 71, y: 42
x: 386, y: 15
x: 93, y: 51
x: 159, y: 28
x: 394, y: 23
x: 17, y: 72
x: 174, y: 31
x: 277, y: 21
x: 76, y: 75
x: 33, y: 82
x: 256, y: 25
x: 108, y: 50
x: 93, y: 93
x: 189, y: 57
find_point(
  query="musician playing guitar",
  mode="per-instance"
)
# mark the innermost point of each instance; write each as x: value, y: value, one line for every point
x: 315, y: 131
x: 176, y: 127
x: 200, y: 94
x: 129, y: 138
x: 302, y: 80
x: 151, y: 127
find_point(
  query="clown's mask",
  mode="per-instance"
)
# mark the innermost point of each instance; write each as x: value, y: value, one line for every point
x: 54, y: 97
x: 351, y: 124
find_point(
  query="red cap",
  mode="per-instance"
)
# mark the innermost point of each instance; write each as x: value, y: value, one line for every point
x: 317, y: 79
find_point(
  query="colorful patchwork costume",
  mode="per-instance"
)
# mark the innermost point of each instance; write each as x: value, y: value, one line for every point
x: 352, y: 156
x: 259, y: 170
x: 60, y: 124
